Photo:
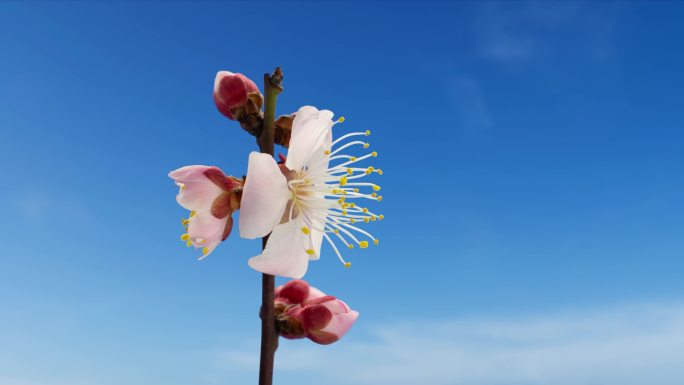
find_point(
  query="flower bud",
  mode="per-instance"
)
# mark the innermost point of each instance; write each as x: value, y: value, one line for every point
x: 304, y: 311
x: 234, y: 91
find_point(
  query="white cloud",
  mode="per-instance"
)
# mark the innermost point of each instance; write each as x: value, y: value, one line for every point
x: 529, y: 30
x: 470, y: 102
x: 627, y: 345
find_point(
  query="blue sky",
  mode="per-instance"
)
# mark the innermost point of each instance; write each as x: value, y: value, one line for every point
x: 532, y: 191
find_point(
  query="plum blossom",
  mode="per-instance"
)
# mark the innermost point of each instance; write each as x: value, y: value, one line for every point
x: 232, y: 91
x: 306, y: 199
x: 304, y: 311
x: 212, y: 197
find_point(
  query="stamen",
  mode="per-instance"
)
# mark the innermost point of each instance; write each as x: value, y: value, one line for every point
x: 185, y: 237
x: 305, y: 230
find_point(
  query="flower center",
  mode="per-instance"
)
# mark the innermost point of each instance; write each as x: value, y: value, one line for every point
x: 326, y: 195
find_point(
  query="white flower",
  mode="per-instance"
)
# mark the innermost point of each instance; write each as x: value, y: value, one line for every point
x: 306, y: 199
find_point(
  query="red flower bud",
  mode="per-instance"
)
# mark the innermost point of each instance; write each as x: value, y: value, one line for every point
x: 231, y: 91
x: 304, y: 311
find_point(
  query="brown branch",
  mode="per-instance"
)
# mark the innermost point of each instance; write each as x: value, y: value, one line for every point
x: 269, y: 333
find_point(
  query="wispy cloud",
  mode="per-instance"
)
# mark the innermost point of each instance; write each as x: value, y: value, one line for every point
x: 530, y: 30
x: 627, y: 345
x: 40, y: 204
x: 471, y: 105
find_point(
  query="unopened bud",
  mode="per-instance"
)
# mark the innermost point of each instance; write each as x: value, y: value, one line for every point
x: 233, y: 91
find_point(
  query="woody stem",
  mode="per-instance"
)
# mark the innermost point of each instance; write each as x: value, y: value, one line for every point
x: 269, y: 333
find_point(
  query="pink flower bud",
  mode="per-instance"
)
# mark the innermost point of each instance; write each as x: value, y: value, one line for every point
x: 231, y: 91
x: 304, y: 311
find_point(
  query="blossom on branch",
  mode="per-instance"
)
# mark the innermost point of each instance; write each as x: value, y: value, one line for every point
x: 211, y: 196
x: 307, y: 199
x: 233, y: 92
x: 304, y: 311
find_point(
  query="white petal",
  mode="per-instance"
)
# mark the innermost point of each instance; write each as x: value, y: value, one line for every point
x: 264, y: 196
x: 311, y: 133
x: 316, y: 239
x: 285, y: 254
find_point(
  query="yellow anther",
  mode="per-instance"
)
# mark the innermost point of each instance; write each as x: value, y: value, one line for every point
x: 205, y: 250
x: 185, y: 221
x: 344, y: 211
x: 349, y: 171
x: 347, y: 264
x: 367, y: 132
x: 366, y: 145
x: 327, y: 152
x: 376, y: 187
x: 341, y: 119
x: 182, y: 186
x: 343, y: 181
x: 375, y: 241
x: 368, y: 171
x: 374, y: 153
x: 374, y: 194
x: 310, y: 251
x: 351, y: 220
x: 305, y: 230
x: 366, y: 220
x: 352, y: 204
x: 363, y: 244
x: 373, y: 218
x: 350, y: 246
x: 192, y: 213
x: 381, y: 217
x: 352, y: 158
x: 380, y: 198
x: 188, y: 243
x: 379, y: 171
x: 185, y: 237
x: 356, y: 190
x: 365, y: 210
x: 336, y: 231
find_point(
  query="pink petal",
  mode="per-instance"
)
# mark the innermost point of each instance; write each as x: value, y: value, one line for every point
x: 295, y: 291
x: 315, y: 317
x: 341, y: 323
x: 205, y: 230
x: 189, y: 173
x: 197, y: 192
x: 314, y: 294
